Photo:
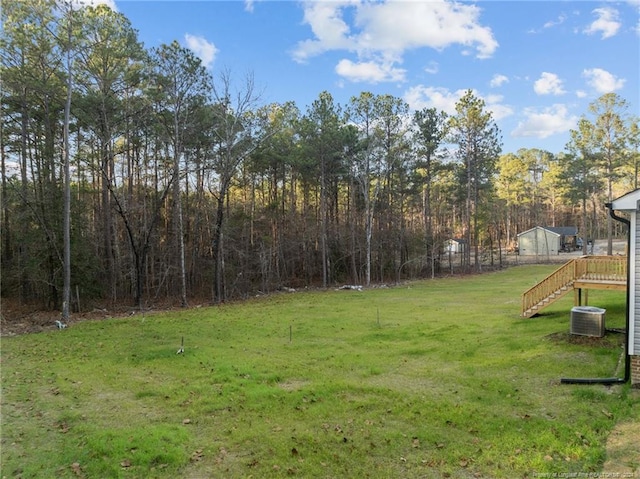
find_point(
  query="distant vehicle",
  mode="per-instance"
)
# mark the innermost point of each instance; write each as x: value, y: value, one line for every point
x: 580, y: 243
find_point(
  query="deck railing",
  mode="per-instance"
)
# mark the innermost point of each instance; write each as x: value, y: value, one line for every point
x: 589, y: 268
x: 601, y: 268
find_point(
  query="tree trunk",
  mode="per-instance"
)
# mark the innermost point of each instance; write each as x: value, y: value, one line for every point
x: 218, y: 280
x: 179, y: 236
x: 66, y: 289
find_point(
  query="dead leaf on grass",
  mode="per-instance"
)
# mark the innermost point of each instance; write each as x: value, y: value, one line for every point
x: 197, y: 455
x: 126, y: 463
x: 581, y: 436
x: 77, y: 470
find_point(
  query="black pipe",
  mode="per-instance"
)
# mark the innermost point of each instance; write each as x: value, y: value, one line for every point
x: 593, y: 380
x: 616, y: 330
x: 627, y: 358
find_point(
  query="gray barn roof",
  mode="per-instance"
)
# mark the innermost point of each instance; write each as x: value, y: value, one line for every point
x: 563, y: 230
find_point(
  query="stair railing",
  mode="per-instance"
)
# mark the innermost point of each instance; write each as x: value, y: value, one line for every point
x: 587, y: 268
x: 562, y: 277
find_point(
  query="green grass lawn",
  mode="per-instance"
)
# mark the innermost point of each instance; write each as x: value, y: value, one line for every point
x: 438, y: 378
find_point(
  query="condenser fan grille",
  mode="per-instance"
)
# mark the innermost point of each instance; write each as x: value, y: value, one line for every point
x: 587, y: 321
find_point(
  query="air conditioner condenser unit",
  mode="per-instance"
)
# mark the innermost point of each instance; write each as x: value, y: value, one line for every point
x: 588, y: 321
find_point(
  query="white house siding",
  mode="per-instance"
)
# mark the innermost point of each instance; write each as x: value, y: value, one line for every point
x: 630, y: 203
x: 634, y: 286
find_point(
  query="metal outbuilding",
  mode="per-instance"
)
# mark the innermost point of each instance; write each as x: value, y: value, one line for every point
x: 547, y: 241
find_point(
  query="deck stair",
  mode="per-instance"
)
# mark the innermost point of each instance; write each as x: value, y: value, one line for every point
x: 585, y: 272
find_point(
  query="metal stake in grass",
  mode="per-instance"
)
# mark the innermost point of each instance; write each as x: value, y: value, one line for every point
x: 181, y: 350
x: 290, y: 333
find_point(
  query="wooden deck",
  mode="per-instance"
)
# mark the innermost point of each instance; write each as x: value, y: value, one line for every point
x: 578, y: 275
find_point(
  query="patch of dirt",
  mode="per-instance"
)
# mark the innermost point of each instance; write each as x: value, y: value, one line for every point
x: 293, y: 384
x: 623, y: 454
x: 610, y: 340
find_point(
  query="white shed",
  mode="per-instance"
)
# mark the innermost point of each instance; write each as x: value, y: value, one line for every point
x: 539, y: 241
x: 455, y: 245
x: 630, y: 203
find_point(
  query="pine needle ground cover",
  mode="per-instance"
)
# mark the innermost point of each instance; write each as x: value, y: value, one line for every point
x: 438, y: 378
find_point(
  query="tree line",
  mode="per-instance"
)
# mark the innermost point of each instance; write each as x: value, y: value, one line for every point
x: 133, y: 175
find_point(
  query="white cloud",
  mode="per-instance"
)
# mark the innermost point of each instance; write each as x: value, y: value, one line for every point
x: 548, y: 84
x: 636, y: 4
x: 419, y: 97
x: 383, y: 31
x: 498, y: 109
x: 442, y: 99
x: 432, y: 68
x: 545, y: 122
x: 498, y: 80
x: 202, y: 48
x: 398, y: 26
x: 602, y: 81
x: 552, y: 23
x: 607, y: 22
x: 368, y: 71
x: 330, y: 30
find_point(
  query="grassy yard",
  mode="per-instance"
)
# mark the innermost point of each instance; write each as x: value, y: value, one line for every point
x: 434, y: 379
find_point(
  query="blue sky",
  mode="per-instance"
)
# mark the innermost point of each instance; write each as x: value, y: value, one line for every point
x: 536, y: 64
